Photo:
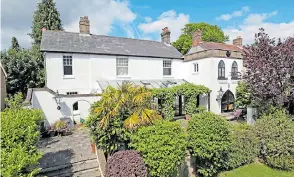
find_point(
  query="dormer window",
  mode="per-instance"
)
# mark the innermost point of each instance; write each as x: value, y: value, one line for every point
x: 221, y: 70
x: 234, y: 72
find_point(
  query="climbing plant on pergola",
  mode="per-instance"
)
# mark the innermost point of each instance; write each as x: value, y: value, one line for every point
x: 188, y: 90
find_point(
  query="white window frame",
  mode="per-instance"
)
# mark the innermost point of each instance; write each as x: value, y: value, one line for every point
x: 195, y: 67
x: 164, y: 66
x: 67, y: 63
x: 122, y: 62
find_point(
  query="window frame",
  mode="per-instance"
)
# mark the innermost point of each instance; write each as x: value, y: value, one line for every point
x: 234, y: 71
x: 120, y: 60
x: 166, y: 67
x: 197, y: 68
x: 63, y: 65
x: 221, y: 70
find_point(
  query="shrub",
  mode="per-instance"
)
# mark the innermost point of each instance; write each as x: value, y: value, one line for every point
x: 162, y: 146
x: 244, y: 147
x: 275, y: 132
x: 126, y: 163
x: 19, y: 136
x: 60, y: 125
x: 209, y: 141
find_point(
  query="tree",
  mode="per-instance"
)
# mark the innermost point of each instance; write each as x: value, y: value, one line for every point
x: 46, y: 16
x: 210, y: 33
x: 243, y: 95
x: 268, y: 69
x: 22, y: 70
x: 15, y: 44
x: 129, y: 101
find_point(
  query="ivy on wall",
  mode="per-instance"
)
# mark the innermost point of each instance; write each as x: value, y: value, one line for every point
x: 188, y: 90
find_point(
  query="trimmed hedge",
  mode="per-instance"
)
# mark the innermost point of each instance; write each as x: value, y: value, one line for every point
x: 209, y: 141
x: 19, y: 136
x: 162, y: 146
x: 126, y: 163
x: 244, y: 148
x: 275, y: 132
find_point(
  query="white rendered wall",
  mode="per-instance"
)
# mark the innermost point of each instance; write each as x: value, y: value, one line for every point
x: 87, y: 69
x: 44, y: 100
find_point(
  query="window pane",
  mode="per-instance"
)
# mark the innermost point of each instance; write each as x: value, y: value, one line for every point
x: 122, y: 71
x: 166, y: 71
x: 67, y: 70
x: 75, y: 106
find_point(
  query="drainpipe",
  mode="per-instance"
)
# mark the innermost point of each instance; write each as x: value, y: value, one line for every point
x: 208, y: 97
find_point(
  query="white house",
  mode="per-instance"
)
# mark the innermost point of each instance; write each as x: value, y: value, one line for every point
x: 80, y: 65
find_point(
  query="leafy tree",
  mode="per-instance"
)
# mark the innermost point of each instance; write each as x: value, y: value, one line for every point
x: 131, y: 102
x: 22, y: 71
x: 210, y: 33
x: 46, y: 16
x: 163, y: 147
x: 275, y: 133
x: 15, y: 44
x: 19, y: 136
x: 243, y: 95
x: 268, y: 69
x: 209, y: 140
x: 126, y: 163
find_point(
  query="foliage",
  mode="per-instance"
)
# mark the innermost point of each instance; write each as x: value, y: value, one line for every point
x: 110, y: 139
x: 14, y: 44
x: 188, y: 90
x: 268, y: 69
x: 162, y: 146
x: 243, y: 95
x: 60, y: 125
x: 275, y: 132
x: 210, y: 33
x: 256, y: 170
x: 131, y: 102
x: 244, y: 148
x: 22, y: 70
x: 126, y: 163
x: 15, y: 102
x: 19, y: 136
x: 46, y: 16
x: 209, y: 141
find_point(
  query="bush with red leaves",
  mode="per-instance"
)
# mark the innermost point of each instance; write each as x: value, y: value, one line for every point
x: 127, y: 163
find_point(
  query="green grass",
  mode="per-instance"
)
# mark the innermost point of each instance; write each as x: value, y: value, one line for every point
x: 256, y: 170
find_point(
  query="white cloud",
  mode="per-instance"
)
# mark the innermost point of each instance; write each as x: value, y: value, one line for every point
x: 253, y: 22
x: 238, y: 13
x: 175, y: 22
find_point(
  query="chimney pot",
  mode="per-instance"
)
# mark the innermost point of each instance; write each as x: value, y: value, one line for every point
x: 238, y: 41
x: 196, y: 38
x: 84, y: 25
x: 165, y: 35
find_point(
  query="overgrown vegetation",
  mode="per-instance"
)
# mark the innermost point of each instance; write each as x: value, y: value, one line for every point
x: 209, y: 141
x: 275, y: 132
x: 162, y: 146
x: 126, y: 163
x: 19, y: 136
x: 243, y: 95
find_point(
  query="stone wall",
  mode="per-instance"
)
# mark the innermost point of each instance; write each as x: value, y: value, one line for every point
x: 212, y: 53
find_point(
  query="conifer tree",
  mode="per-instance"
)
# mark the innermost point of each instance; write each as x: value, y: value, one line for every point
x: 15, y: 44
x: 46, y: 16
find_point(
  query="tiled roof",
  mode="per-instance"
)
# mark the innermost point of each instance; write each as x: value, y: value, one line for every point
x: 60, y: 41
x: 219, y: 46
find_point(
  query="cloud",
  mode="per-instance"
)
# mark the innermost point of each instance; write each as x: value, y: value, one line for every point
x: 175, y: 22
x: 238, y: 13
x: 253, y: 22
x: 104, y: 16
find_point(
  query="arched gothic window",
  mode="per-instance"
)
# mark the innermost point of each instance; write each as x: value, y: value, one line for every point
x: 234, y: 72
x: 221, y: 70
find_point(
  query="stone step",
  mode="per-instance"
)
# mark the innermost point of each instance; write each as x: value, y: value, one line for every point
x: 89, y: 166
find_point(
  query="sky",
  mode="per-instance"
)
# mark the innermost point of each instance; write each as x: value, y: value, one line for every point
x: 144, y: 19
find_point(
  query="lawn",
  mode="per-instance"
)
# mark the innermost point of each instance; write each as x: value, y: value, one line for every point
x: 256, y: 170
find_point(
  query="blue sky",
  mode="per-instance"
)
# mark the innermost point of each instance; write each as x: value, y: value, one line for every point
x: 144, y: 19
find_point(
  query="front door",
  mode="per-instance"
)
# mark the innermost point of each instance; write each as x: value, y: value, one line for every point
x: 227, y: 102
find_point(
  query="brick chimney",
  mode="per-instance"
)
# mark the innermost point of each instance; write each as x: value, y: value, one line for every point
x: 196, y: 38
x: 165, y: 35
x: 84, y: 25
x: 238, y: 41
